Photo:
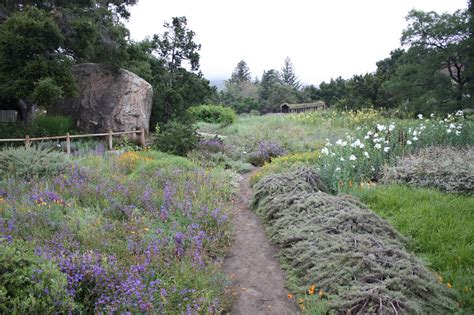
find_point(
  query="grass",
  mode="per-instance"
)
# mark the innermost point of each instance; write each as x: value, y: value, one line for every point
x: 439, y: 227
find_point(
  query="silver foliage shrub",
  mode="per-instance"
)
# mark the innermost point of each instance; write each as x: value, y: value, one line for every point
x: 446, y: 168
x: 350, y: 252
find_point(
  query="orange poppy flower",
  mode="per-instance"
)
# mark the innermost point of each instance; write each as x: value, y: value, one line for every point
x: 311, y: 289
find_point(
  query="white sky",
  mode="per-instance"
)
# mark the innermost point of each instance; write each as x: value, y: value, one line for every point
x: 324, y: 39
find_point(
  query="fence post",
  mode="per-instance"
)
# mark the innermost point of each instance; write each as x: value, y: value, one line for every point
x: 142, y: 137
x: 27, y: 141
x: 110, y: 140
x: 68, y: 143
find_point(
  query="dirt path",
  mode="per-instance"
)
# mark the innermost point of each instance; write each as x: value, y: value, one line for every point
x: 252, y: 265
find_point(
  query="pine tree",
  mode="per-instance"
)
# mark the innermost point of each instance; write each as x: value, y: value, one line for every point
x: 288, y: 75
x: 241, y: 73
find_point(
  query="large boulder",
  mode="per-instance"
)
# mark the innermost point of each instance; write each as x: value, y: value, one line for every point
x: 109, y: 99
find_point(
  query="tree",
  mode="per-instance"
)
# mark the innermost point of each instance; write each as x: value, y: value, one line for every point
x: 288, y: 76
x: 31, y: 64
x: 240, y: 74
x: 446, y: 35
x: 175, y: 87
x: 273, y: 92
x: 177, y: 45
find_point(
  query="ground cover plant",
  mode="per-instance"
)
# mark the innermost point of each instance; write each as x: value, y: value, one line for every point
x: 439, y: 226
x: 353, y: 258
x: 446, y: 168
x: 107, y: 234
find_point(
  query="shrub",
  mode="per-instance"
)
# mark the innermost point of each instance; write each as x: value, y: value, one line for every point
x: 445, y: 168
x: 334, y: 244
x: 213, y: 114
x: 176, y: 138
x: 266, y: 150
x: 30, y: 284
x: 284, y: 163
x: 31, y: 162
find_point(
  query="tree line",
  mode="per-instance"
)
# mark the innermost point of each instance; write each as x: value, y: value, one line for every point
x: 41, y: 40
x: 433, y: 71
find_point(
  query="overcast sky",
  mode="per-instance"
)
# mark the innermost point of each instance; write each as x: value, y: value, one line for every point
x: 324, y: 39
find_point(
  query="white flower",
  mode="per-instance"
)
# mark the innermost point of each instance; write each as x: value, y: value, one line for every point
x: 342, y: 159
x: 409, y: 142
x: 449, y: 115
x: 358, y: 128
x: 452, y: 126
x: 376, y: 135
x: 338, y: 169
x: 367, y: 154
x: 325, y: 151
x: 369, y: 133
x: 420, y: 116
x: 458, y: 132
x: 448, y: 131
x: 344, y: 143
x: 432, y: 115
x: 352, y: 157
x: 459, y: 127
x: 386, y: 149
x: 367, y: 137
x: 378, y: 146
x: 459, y: 113
x: 339, y: 142
x: 356, y: 143
x: 386, y: 142
x: 380, y: 127
x: 361, y: 145
x: 391, y: 127
x: 333, y: 154
x: 415, y: 133
x: 415, y: 138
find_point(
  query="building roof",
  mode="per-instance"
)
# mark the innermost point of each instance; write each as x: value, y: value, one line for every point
x: 304, y: 105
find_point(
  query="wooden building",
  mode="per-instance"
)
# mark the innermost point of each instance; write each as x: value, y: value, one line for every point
x: 302, y: 107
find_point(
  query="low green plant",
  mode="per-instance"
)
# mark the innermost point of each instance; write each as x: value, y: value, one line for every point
x: 54, y: 125
x: 30, y: 284
x: 213, y: 114
x: 31, y: 162
x: 438, y: 226
x: 176, y: 137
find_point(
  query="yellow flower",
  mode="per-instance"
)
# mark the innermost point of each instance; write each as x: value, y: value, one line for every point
x: 449, y: 285
x: 311, y: 289
x: 2, y: 200
x: 321, y: 293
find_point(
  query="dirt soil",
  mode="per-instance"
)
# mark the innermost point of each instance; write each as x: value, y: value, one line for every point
x: 257, y: 278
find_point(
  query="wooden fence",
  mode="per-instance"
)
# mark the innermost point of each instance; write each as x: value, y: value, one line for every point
x: 27, y: 140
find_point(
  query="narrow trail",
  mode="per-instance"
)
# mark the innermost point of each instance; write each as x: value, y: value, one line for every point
x: 252, y: 265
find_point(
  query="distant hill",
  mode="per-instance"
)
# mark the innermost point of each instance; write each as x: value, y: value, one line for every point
x: 218, y: 83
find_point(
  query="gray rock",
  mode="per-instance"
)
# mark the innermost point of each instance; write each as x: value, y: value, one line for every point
x: 109, y: 99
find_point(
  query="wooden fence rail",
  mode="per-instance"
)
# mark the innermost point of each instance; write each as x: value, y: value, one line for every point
x: 27, y: 140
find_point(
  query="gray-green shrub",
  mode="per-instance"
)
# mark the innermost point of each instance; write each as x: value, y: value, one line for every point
x: 446, y: 168
x: 348, y: 251
x: 31, y: 162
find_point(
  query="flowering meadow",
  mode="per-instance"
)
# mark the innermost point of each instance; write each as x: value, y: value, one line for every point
x: 127, y: 233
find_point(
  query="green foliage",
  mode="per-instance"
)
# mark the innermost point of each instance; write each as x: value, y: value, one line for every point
x: 340, y: 247
x: 31, y: 162
x: 29, y: 283
x: 46, y: 92
x: 213, y: 114
x: 439, y: 227
x: 54, y: 125
x: 30, y: 66
x: 444, y: 168
x: 176, y: 137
